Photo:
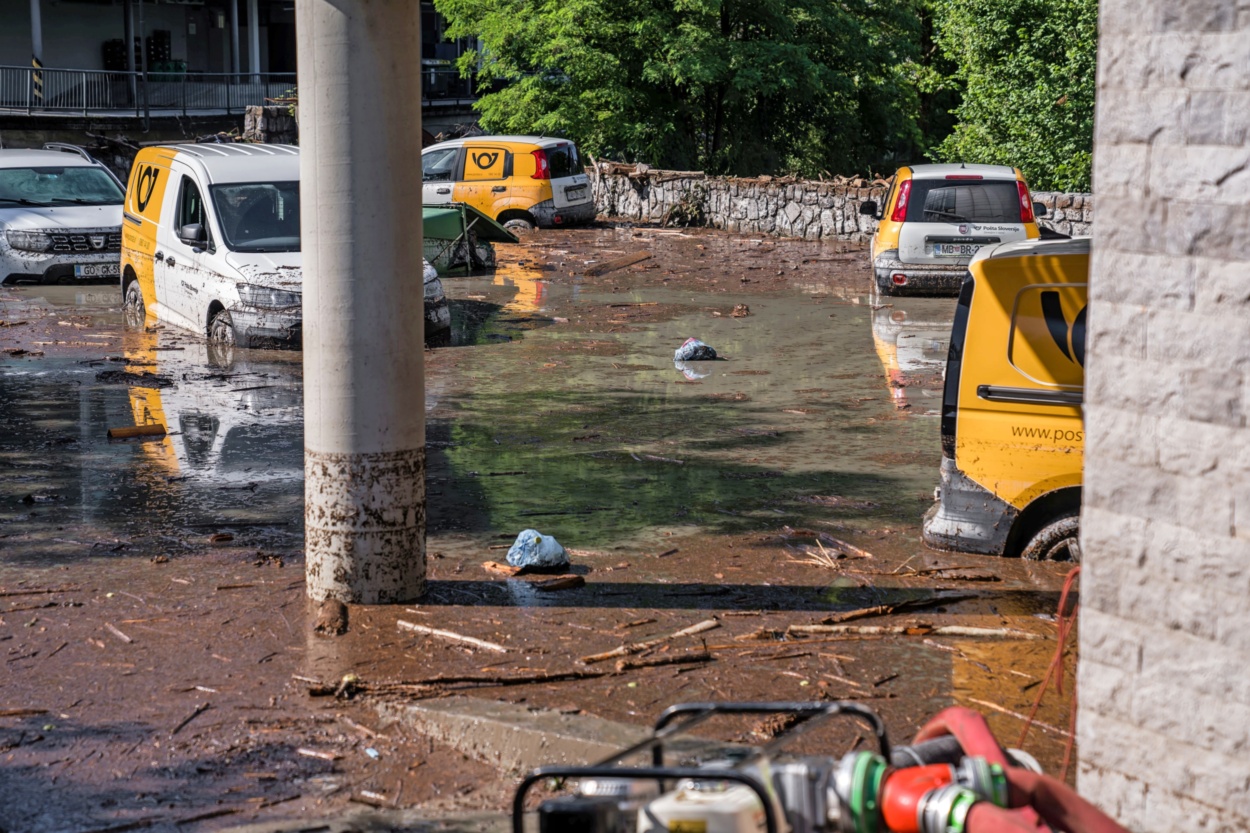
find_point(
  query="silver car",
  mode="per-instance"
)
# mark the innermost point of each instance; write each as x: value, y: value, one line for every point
x: 60, y: 217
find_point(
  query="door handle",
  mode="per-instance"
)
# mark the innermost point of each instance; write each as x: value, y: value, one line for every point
x: 442, y: 190
x: 159, y: 255
x: 499, y: 189
x: 169, y: 262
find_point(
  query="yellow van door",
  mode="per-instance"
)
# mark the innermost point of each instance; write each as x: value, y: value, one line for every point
x: 141, y: 219
x: 1020, y: 433
x: 485, y: 184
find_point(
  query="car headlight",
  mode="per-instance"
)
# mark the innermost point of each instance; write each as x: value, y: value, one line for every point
x: 266, y: 297
x: 29, y: 241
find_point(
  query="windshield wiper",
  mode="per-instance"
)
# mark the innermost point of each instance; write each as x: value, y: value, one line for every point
x: 22, y: 201
x: 947, y: 214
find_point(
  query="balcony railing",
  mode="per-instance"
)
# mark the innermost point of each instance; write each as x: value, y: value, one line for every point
x: 88, y: 92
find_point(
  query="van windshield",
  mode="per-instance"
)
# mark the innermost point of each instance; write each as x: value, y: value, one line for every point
x: 964, y: 201
x: 69, y: 185
x: 258, y: 216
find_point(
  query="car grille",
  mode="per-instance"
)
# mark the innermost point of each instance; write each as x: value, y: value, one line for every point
x: 86, y: 242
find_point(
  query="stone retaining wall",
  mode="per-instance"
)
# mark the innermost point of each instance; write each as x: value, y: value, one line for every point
x: 783, y: 207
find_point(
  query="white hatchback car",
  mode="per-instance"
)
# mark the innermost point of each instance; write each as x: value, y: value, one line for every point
x: 60, y: 217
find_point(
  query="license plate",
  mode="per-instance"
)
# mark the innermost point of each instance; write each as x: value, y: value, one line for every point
x: 575, y: 193
x: 97, y: 270
x: 955, y: 249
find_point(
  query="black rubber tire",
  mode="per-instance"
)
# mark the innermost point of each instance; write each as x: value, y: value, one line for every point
x: 519, y: 225
x: 133, y: 310
x: 1058, y: 540
x: 221, y: 328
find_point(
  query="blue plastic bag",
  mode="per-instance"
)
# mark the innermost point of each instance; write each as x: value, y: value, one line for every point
x: 533, y: 549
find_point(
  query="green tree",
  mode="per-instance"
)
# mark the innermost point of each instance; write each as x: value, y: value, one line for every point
x: 1027, y: 71
x: 727, y: 86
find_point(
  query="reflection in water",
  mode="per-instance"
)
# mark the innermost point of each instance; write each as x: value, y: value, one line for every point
x: 911, y: 337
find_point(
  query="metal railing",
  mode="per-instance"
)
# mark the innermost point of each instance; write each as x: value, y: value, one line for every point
x: 88, y: 92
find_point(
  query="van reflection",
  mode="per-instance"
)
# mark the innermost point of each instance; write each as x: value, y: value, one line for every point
x: 912, y: 336
x: 232, y: 415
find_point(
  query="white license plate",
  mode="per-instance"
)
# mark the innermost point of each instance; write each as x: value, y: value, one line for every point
x: 575, y: 193
x: 97, y: 270
x: 955, y: 249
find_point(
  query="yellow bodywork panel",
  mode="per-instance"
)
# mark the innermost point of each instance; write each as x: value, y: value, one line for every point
x: 1020, y: 432
x: 145, y: 195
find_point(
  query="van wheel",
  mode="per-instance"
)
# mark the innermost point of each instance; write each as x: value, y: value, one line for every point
x: 221, y: 328
x: 519, y: 225
x: 1059, y: 540
x: 133, y: 309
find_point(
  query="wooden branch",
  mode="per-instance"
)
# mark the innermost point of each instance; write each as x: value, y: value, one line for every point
x: 638, y: 647
x: 453, y: 636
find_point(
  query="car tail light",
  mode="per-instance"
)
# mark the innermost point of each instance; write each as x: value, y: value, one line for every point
x: 899, y: 279
x: 900, y: 207
x: 541, y: 169
x: 1026, y: 203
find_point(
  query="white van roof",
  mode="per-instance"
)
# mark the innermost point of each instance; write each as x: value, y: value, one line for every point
x: 241, y: 162
x: 538, y: 141
x: 943, y: 171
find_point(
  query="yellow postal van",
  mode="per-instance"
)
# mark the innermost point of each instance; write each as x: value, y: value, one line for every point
x: 1012, y: 430
x: 518, y: 181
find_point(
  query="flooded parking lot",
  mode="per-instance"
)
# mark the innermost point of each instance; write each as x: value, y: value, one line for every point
x: 743, y: 490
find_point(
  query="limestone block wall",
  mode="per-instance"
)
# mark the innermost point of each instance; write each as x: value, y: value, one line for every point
x: 1164, y: 721
x: 783, y: 207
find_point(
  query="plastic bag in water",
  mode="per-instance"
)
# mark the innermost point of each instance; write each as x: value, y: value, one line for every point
x: 694, y: 350
x: 533, y: 549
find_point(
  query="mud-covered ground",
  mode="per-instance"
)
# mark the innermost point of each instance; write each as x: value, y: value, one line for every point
x: 158, y: 646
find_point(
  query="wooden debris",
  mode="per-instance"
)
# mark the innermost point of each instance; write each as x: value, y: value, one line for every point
x: 199, y: 710
x: 561, y: 583
x: 667, y: 553
x: 455, y: 637
x: 220, y: 538
x: 117, y: 633
x: 634, y: 624
x: 638, y: 647
x: 317, y: 753
x: 886, y: 610
x: 39, y: 592
x: 623, y: 665
x: 1018, y: 716
x: 22, y: 712
x: 128, y: 431
x: 617, y: 263
x: 502, y: 569
x: 912, y: 630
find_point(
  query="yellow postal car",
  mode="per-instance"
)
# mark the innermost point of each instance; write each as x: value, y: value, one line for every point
x: 1012, y: 429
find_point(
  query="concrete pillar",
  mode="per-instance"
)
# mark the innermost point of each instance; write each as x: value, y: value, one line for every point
x: 234, y: 40
x: 1164, y: 721
x: 364, y: 386
x: 253, y: 39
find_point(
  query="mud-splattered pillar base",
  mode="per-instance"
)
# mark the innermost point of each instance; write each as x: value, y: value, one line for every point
x: 363, y: 303
x: 364, y: 526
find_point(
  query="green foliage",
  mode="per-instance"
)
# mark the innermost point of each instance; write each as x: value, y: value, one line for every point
x: 727, y: 86
x: 1027, y: 70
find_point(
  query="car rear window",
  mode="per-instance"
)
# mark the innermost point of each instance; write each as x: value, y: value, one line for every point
x: 964, y: 201
x: 564, y: 161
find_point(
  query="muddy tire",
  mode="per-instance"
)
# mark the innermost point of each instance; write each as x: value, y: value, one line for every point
x: 221, y: 329
x: 1058, y: 540
x: 519, y: 225
x: 133, y: 309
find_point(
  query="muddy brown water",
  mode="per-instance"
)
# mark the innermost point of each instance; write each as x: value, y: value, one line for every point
x: 685, y: 493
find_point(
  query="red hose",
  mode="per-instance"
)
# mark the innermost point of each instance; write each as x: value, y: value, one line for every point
x: 1056, y: 802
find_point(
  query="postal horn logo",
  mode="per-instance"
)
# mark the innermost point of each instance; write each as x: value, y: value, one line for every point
x: 486, y: 159
x: 144, y: 186
x: 1069, y: 338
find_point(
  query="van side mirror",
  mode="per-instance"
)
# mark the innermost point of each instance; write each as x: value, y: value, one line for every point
x: 868, y: 208
x: 1040, y: 209
x: 194, y: 234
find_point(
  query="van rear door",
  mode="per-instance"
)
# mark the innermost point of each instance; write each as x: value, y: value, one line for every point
x: 950, y: 219
x: 570, y: 186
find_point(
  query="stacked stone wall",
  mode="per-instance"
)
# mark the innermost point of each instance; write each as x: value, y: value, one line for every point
x: 782, y: 207
x: 1164, y: 722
